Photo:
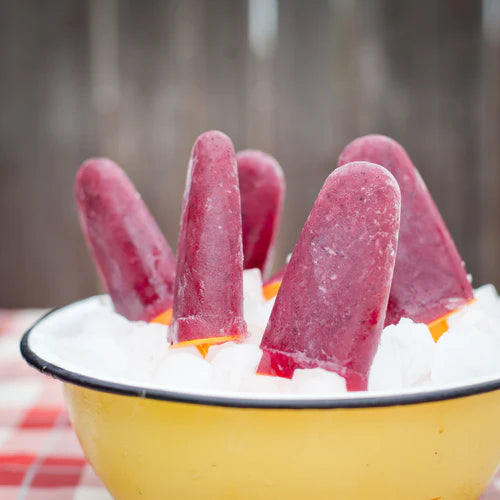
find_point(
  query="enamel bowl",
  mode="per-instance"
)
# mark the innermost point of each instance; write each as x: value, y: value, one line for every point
x: 152, y: 444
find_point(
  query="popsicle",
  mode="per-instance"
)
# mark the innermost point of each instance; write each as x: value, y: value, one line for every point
x: 330, y: 309
x: 262, y: 191
x: 430, y: 279
x: 208, y: 297
x: 133, y: 260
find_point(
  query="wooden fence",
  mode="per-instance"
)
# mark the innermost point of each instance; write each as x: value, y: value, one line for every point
x: 139, y: 80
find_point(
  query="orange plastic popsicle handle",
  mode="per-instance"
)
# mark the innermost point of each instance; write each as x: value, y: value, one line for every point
x: 165, y: 318
x: 271, y: 289
x: 204, y: 344
x: 440, y: 325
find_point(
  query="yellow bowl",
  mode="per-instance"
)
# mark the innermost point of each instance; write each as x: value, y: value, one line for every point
x: 153, y: 444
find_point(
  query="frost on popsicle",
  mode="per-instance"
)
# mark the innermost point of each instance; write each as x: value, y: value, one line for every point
x: 208, y: 299
x: 262, y: 190
x: 135, y: 263
x: 330, y: 310
x: 430, y: 279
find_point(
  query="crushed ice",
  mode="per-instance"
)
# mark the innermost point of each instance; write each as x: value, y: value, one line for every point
x: 90, y: 339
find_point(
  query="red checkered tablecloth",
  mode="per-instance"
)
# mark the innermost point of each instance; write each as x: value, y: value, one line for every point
x: 40, y: 458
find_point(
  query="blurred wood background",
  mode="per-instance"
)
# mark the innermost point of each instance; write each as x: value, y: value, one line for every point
x: 138, y: 81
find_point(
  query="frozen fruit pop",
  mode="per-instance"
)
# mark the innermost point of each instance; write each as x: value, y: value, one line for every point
x: 262, y: 190
x: 135, y: 263
x: 330, y: 309
x: 208, y: 299
x: 429, y: 278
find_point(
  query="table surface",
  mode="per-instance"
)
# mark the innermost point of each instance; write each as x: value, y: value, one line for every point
x: 40, y: 457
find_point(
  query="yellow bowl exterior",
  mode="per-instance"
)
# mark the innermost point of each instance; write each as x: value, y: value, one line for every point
x: 151, y: 449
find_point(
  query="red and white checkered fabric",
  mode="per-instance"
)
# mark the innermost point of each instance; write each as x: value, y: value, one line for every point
x: 40, y: 458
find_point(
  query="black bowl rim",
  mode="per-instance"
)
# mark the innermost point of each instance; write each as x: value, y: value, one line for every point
x: 74, y: 378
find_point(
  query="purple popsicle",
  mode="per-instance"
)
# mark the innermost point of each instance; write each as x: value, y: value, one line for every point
x: 262, y: 190
x: 208, y: 299
x: 429, y: 278
x: 133, y: 260
x: 330, y: 309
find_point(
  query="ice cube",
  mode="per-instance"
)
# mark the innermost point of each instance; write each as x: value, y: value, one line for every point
x: 317, y: 381
x: 148, y: 343
x: 233, y: 364
x: 404, y: 357
x: 184, y: 371
x: 465, y: 353
x: 252, y: 287
x: 484, y: 314
x: 487, y: 296
x: 253, y: 301
x: 264, y: 384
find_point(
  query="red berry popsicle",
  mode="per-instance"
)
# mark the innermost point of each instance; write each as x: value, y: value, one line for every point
x: 208, y: 301
x: 262, y: 190
x: 429, y: 278
x: 330, y: 309
x: 135, y: 263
